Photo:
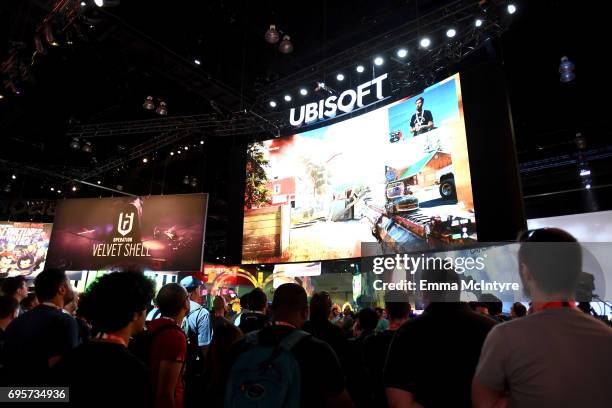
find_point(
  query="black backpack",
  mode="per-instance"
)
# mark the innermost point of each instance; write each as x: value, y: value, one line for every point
x: 140, y: 345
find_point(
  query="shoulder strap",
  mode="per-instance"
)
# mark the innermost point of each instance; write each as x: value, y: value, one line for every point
x: 293, y: 338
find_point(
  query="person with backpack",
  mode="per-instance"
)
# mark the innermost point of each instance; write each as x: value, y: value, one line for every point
x: 283, y: 366
x: 168, y: 346
x: 197, y: 325
x: 103, y: 372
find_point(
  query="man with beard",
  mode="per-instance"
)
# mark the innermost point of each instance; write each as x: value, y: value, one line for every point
x: 422, y: 120
x: 37, y: 340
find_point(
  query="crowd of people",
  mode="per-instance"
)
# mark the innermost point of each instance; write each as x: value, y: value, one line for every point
x: 110, y: 346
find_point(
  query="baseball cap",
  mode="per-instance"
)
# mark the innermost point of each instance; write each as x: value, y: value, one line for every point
x: 189, y: 282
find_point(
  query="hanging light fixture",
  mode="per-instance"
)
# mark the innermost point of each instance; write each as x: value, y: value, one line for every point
x: 285, y: 46
x: 272, y: 35
x: 566, y: 70
x: 162, y: 109
x: 148, y: 103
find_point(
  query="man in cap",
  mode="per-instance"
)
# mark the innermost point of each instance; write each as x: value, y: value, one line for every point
x: 198, y: 327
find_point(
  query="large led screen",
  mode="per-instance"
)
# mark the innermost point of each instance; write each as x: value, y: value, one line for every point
x: 23, y: 248
x: 398, y: 175
x: 160, y: 233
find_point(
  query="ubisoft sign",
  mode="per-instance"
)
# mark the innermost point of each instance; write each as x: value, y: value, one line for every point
x: 345, y: 102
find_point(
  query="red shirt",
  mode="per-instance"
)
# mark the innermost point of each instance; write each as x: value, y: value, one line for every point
x: 169, y: 345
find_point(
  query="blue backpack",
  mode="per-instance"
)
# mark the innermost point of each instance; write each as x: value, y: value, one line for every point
x: 266, y: 377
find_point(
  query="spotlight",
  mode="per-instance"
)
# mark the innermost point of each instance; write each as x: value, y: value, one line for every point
x: 186, y: 147
x: 303, y: 92
x: 148, y: 103
x: 566, y: 70
x: 201, y: 142
x: 162, y: 109
x: 272, y: 35
x: 171, y: 153
x: 52, y: 189
x: 83, y: 4
x: 402, y: 52
x: 285, y: 46
x: 378, y: 61
x: 511, y: 8
x: 272, y: 104
x: 178, y: 151
x: 287, y: 98
x: 87, y: 147
x: 360, y: 68
x: 1, y: 96
x: 425, y: 42
x: 75, y: 144
x: 145, y: 160
x: 478, y: 22
x: 99, y: 182
x: 197, y: 61
x: 194, y: 182
x: 588, y: 186
x: 14, y: 177
x: 73, y: 189
x: 585, y: 172
x: 451, y: 32
x: 340, y: 77
x: 186, y: 180
x: 59, y: 191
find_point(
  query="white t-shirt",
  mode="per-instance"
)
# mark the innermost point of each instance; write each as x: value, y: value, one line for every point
x: 557, y: 358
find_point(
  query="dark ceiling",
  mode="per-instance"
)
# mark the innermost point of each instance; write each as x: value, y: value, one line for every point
x: 110, y: 59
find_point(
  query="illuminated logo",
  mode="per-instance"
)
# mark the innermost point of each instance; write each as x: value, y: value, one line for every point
x: 345, y: 102
x: 125, y: 224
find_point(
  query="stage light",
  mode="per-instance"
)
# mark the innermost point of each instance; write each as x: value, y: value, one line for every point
x: 186, y: 180
x: 87, y: 148
x: 402, y: 52
x: 425, y: 42
x: 194, y: 182
x: 74, y: 188
x: 511, y: 8
x: 272, y: 104
x: 171, y: 153
x: 52, y: 189
x: 285, y: 46
x: 99, y: 3
x: 378, y: 61
x: 197, y: 61
x: 287, y: 98
x: 451, y: 32
x: 1, y: 96
x: 566, y: 70
x: 99, y: 182
x: 201, y: 142
x: 148, y: 103
x: 588, y: 186
x: 340, y: 77
x: 360, y: 68
x: 83, y: 4
x: 178, y: 151
x: 272, y: 35
x: 145, y: 160
x: 186, y: 147
x: 478, y: 22
x: 162, y: 109
x: 75, y: 144
x: 59, y: 191
x: 303, y: 92
x: 585, y: 172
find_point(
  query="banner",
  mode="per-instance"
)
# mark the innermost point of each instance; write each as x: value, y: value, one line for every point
x: 23, y: 248
x: 161, y: 233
